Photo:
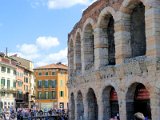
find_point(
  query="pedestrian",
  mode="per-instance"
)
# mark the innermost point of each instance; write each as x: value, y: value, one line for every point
x: 139, y: 116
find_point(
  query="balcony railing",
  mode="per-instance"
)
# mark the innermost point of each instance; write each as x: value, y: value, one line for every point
x: 8, y: 90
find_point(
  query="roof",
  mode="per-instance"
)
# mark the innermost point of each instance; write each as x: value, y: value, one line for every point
x: 53, y: 66
x: 27, y: 64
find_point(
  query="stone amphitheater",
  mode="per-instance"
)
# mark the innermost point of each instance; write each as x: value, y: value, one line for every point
x: 114, y: 61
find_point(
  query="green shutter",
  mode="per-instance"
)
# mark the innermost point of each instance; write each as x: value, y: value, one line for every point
x: 43, y: 95
x: 43, y: 83
x: 54, y: 94
x: 50, y: 95
x: 54, y: 84
x: 50, y: 83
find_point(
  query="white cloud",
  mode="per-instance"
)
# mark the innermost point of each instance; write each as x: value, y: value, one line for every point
x: 59, y: 4
x: 37, y: 3
x: 27, y: 48
x: 60, y: 56
x: 38, y: 53
x: 47, y: 42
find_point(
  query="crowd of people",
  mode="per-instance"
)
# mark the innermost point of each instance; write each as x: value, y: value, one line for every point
x: 34, y: 114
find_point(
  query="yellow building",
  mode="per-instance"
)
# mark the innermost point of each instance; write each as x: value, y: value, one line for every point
x: 51, y: 89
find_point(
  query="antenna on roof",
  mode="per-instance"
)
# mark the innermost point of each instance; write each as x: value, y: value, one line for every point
x: 6, y: 51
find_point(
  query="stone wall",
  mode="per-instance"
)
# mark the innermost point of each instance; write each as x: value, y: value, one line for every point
x: 141, y: 67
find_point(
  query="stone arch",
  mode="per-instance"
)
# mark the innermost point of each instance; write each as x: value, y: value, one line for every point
x: 72, y: 107
x: 78, y: 64
x: 106, y: 31
x: 80, y: 106
x: 130, y: 4
x: 136, y: 12
x: 88, y: 45
x: 137, y: 100
x: 110, y: 103
x: 88, y: 21
x: 92, y: 105
x: 104, y: 12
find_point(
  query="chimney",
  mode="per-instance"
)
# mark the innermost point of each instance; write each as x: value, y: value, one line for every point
x: 15, y: 55
x: 59, y: 63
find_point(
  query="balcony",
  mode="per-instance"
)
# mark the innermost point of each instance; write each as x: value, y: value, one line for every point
x: 8, y: 90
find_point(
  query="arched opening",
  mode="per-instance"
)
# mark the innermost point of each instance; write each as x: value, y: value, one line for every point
x: 92, y: 105
x: 107, y: 33
x: 111, y: 44
x: 71, y: 57
x: 78, y: 53
x: 72, y: 109
x: 80, y: 107
x: 137, y: 29
x: 88, y: 47
x: 138, y: 100
x: 110, y: 103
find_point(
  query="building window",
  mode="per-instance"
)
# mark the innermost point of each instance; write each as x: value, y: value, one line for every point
x: 20, y: 83
x: 14, y: 72
x: 26, y: 73
x: 19, y: 94
x: 26, y: 80
x: 54, y: 94
x: 8, y: 70
x: 46, y: 84
x: 3, y: 69
x: 53, y: 83
x: 3, y: 82
x: 61, y: 72
x: 47, y: 73
x: 39, y: 95
x: 39, y: 83
x: 61, y: 93
x: 61, y: 83
x: 8, y: 84
x: 14, y: 84
x: 39, y: 73
x: 53, y: 73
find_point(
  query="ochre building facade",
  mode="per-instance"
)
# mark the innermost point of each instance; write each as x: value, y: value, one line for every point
x: 51, y: 89
x: 114, y: 65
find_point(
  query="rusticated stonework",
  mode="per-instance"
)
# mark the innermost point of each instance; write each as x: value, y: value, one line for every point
x: 114, y: 61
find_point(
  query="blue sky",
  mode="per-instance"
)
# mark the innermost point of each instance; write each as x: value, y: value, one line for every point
x: 37, y: 29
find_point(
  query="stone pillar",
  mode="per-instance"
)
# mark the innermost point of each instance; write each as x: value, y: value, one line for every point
x: 82, y: 56
x: 75, y: 107
x: 100, y: 48
x: 69, y: 107
x: 152, y: 18
x: 122, y: 37
x: 154, y: 104
x: 100, y: 109
x: 85, y: 107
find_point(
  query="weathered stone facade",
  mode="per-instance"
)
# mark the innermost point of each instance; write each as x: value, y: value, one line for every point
x: 114, y: 61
